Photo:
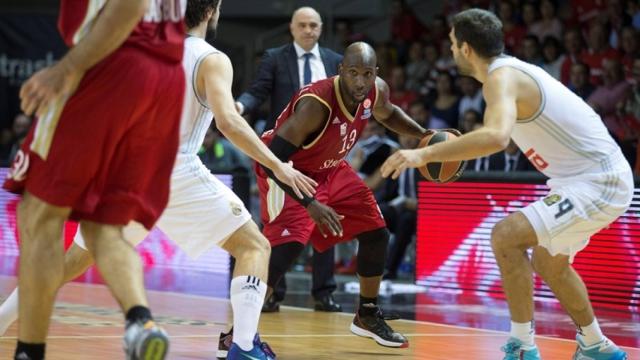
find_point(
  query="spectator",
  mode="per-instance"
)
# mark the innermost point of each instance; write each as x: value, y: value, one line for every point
x: 617, y: 19
x: 511, y: 159
x: 598, y: 51
x: 419, y: 112
x: 220, y: 156
x: 399, y: 94
x: 470, y: 121
x: 530, y: 51
x: 446, y: 104
x: 549, y: 24
x: 529, y: 14
x: 574, y: 46
x: 513, y: 32
x: 580, y: 81
x: 471, y: 96
x: 405, y: 27
x: 445, y: 61
x: 399, y: 202
x: 629, y: 48
x: 552, y: 58
x: 417, y: 69
x: 607, y: 97
x: 431, y: 55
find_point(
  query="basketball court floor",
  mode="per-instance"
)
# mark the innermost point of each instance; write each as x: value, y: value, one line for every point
x: 88, y: 325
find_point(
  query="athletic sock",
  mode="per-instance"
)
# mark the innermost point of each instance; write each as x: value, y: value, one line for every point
x: 591, y: 334
x: 247, y: 296
x: 368, y: 306
x: 9, y: 311
x: 139, y: 313
x: 26, y: 351
x: 524, y: 332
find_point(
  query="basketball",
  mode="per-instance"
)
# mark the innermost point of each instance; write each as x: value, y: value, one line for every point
x: 441, y: 172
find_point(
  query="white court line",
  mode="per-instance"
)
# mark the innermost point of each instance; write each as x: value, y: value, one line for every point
x: 346, y: 314
x: 204, y: 336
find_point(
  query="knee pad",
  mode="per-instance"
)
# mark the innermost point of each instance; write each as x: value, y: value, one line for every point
x: 372, y: 252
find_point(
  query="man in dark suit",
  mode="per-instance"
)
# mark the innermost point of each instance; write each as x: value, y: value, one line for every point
x: 511, y: 159
x: 281, y: 73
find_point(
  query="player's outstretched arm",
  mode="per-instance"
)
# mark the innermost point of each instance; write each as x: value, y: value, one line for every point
x: 499, y: 118
x: 110, y: 29
x: 215, y: 76
x: 393, y: 117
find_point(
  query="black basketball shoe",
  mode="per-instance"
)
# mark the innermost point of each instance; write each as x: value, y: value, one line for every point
x: 374, y: 326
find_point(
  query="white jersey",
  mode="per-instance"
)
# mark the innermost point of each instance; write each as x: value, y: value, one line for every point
x: 565, y: 137
x: 196, y: 115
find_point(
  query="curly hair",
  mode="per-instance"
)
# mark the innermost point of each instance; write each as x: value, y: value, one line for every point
x: 197, y: 11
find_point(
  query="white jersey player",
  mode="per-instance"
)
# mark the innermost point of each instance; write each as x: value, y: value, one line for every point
x: 202, y: 211
x: 590, y: 180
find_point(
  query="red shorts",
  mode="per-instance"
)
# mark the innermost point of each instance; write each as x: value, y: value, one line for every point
x: 108, y: 151
x: 341, y: 189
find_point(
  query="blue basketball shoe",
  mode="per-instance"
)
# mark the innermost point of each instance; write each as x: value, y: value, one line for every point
x: 513, y: 351
x: 261, y: 351
x: 604, y: 350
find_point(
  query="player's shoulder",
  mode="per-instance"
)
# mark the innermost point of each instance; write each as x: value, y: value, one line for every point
x: 217, y: 60
x: 501, y: 80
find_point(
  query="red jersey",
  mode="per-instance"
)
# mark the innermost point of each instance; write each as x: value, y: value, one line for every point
x: 159, y: 33
x: 341, y: 130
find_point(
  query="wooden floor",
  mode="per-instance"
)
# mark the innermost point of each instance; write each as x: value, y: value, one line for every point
x: 87, y: 325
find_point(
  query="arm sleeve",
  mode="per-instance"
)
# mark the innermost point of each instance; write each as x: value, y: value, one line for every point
x: 283, y: 150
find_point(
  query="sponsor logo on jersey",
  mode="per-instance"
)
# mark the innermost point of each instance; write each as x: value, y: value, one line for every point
x: 285, y: 232
x: 551, y: 199
x: 343, y: 129
x: 236, y: 209
x: 366, y: 114
x: 336, y: 120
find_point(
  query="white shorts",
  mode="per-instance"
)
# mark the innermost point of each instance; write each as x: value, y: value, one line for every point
x: 202, y: 211
x: 578, y: 207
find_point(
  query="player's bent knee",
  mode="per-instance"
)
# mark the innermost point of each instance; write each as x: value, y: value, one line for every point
x: 551, y: 269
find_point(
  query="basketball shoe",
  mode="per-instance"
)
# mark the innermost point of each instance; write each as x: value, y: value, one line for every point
x: 145, y: 341
x: 604, y: 350
x: 374, y: 326
x: 260, y: 351
x: 513, y: 351
x: 226, y: 341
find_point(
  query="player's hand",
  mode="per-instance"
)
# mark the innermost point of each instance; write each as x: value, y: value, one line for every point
x: 47, y: 85
x: 401, y: 160
x: 325, y: 218
x: 299, y: 182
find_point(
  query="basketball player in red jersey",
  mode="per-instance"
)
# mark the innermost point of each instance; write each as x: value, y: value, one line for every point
x: 101, y: 152
x: 316, y: 130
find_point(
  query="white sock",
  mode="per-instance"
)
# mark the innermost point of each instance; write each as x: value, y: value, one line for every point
x: 524, y: 332
x: 591, y: 334
x: 247, y: 296
x: 9, y: 311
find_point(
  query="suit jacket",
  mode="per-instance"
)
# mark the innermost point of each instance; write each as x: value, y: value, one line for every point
x: 497, y: 162
x: 278, y: 77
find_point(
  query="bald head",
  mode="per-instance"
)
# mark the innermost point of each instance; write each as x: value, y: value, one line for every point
x: 306, y: 27
x: 360, y: 53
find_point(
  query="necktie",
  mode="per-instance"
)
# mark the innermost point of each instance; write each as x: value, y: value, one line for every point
x: 512, y: 164
x: 306, y: 75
